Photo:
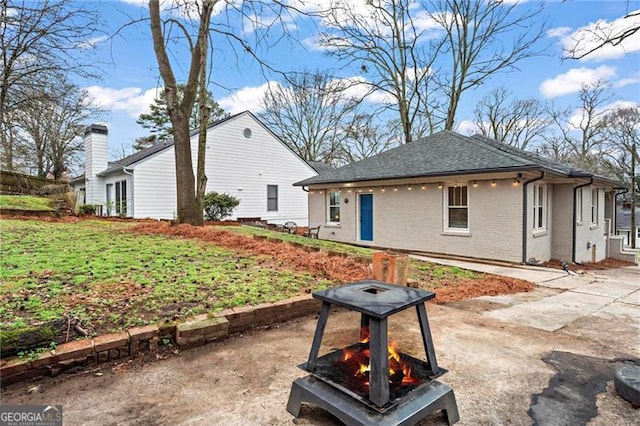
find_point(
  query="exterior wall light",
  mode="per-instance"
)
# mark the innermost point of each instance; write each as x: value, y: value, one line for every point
x: 493, y: 182
x: 475, y: 184
x: 424, y: 186
x: 409, y: 188
x: 395, y: 188
x: 439, y: 185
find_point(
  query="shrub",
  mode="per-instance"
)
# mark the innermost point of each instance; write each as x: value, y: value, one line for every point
x: 219, y: 206
x: 87, y: 209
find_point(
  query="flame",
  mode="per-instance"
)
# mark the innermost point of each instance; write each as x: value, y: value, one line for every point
x: 357, y: 363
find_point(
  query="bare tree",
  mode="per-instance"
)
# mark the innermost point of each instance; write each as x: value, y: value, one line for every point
x: 581, y: 134
x: 189, y: 207
x: 382, y: 41
x: 309, y: 112
x: 365, y: 136
x: 483, y: 38
x: 36, y: 39
x: 517, y: 122
x: 622, y: 128
x: 52, y: 124
x: 603, y: 34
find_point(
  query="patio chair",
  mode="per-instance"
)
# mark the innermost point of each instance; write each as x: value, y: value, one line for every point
x: 312, y: 232
x: 290, y: 227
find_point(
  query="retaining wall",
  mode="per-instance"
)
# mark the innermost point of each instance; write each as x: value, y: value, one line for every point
x: 194, y: 332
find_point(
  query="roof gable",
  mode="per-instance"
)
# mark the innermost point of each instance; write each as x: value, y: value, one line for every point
x: 156, y: 148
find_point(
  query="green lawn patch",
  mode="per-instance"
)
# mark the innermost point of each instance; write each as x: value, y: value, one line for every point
x: 26, y: 202
x: 110, y: 280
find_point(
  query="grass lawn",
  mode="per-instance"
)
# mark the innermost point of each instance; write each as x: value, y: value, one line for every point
x: 26, y: 202
x: 112, y: 275
x: 110, y: 280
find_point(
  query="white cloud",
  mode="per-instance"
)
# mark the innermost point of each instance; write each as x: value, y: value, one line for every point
x: 132, y: 100
x: 247, y: 98
x: 558, y: 32
x: 590, y: 36
x: 467, y: 127
x: 574, y: 79
x: 580, y: 116
x: 92, y: 42
x: 357, y: 87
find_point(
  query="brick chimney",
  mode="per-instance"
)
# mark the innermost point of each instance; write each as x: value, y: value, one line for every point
x: 95, y: 148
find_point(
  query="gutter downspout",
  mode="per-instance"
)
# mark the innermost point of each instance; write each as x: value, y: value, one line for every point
x: 525, y: 215
x: 574, y: 227
x: 130, y: 173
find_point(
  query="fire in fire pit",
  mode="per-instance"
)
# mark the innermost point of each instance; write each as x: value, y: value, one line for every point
x: 351, y: 368
x: 370, y: 381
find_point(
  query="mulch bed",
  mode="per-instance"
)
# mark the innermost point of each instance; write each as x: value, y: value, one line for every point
x: 319, y: 264
x: 598, y: 266
x: 488, y: 285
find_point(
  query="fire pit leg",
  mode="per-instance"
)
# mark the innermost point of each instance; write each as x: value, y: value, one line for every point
x: 364, y: 327
x: 426, y: 339
x: 379, y: 373
x: 317, y: 337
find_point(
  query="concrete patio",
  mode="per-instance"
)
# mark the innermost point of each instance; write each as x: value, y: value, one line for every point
x: 506, y: 357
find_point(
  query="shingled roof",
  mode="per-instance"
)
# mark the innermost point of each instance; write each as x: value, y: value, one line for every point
x: 444, y: 153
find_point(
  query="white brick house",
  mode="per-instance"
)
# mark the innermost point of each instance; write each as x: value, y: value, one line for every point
x: 467, y: 196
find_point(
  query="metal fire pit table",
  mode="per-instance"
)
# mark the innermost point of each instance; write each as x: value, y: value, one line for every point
x: 375, y: 301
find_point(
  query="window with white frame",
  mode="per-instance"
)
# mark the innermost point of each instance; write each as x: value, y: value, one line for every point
x: 594, y: 206
x: 539, y: 207
x: 579, y: 206
x: 457, y: 212
x: 333, y: 209
x: 121, y: 197
x: 272, y: 198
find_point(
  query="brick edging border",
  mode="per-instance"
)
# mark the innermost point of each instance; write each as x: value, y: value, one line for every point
x: 195, y: 331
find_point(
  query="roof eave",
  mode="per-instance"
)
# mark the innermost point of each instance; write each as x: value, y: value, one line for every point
x: 311, y: 181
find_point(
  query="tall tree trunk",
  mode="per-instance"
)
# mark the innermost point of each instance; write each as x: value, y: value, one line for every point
x: 204, y: 124
x: 185, y: 181
x: 179, y: 110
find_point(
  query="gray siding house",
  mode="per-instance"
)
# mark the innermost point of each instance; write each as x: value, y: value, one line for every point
x: 468, y: 196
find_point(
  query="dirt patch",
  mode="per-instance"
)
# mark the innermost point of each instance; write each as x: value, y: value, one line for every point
x: 488, y: 285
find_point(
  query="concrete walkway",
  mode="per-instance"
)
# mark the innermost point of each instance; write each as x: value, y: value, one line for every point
x: 565, y: 298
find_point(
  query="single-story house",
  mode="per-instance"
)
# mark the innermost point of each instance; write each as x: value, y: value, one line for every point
x: 623, y: 224
x: 244, y: 159
x: 468, y: 196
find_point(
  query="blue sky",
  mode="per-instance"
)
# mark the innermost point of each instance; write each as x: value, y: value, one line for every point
x: 131, y: 78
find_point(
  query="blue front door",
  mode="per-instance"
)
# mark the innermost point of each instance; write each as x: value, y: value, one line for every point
x: 366, y: 217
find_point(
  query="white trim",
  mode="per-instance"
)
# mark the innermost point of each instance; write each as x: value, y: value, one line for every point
x: 595, y: 208
x: 328, y: 220
x: 540, y: 224
x: 579, y: 206
x: 445, y: 193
